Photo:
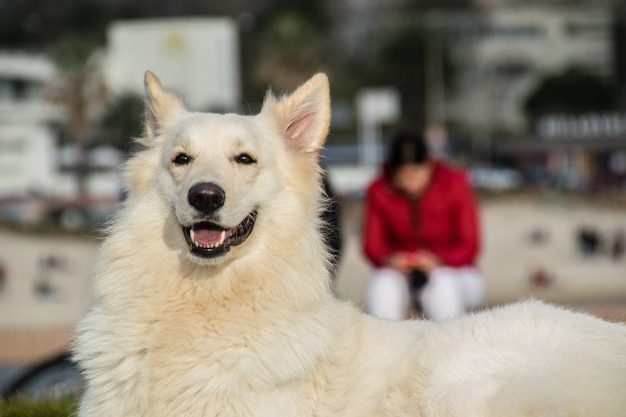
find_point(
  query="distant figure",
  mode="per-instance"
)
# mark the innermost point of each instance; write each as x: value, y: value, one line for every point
x: 589, y: 241
x: 44, y: 286
x: 538, y: 236
x: 540, y: 277
x: 619, y: 245
x: 3, y: 276
x: 421, y: 232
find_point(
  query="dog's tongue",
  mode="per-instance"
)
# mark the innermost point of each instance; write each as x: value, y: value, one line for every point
x: 207, y: 237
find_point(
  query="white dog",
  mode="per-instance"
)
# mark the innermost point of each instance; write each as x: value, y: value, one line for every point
x: 212, y: 297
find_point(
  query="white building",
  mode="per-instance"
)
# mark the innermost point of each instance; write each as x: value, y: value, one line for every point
x: 30, y: 159
x: 26, y: 165
x: 27, y: 144
x: 503, y: 52
x: 196, y: 57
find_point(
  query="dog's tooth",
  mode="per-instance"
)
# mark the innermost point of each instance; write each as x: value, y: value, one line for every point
x: 222, y: 237
x: 191, y: 234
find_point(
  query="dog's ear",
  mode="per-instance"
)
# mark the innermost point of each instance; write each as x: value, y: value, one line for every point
x: 304, y: 115
x: 161, y: 105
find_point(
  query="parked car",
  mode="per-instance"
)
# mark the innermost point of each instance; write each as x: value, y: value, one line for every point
x: 494, y: 178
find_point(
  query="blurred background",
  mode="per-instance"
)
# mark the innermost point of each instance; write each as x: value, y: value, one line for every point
x: 530, y: 99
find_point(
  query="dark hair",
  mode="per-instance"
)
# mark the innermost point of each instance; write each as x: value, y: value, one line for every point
x: 406, y: 147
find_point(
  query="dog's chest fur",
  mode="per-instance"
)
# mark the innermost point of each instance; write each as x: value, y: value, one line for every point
x: 219, y: 361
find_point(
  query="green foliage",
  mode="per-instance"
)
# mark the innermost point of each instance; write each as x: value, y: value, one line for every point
x: 315, y: 13
x: 72, y: 53
x: 22, y: 406
x: 290, y: 32
x: 402, y: 55
x: 87, y: 16
x: 401, y: 61
x: 572, y: 91
x: 287, y: 44
x: 292, y: 47
x: 123, y: 117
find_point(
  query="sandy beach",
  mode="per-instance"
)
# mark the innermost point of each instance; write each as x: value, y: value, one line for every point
x: 46, y: 286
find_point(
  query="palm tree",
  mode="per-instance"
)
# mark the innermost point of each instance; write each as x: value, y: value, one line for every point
x: 80, y: 91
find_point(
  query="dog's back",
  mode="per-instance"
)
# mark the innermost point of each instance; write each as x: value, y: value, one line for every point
x: 527, y: 359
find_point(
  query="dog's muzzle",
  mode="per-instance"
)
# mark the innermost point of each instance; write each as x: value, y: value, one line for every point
x: 206, y: 238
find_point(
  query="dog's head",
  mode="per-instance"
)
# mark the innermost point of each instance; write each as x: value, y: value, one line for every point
x: 223, y: 174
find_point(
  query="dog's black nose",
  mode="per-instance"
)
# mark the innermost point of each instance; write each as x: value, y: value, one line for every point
x: 206, y: 197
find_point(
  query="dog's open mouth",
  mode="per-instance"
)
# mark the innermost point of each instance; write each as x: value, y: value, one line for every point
x: 209, y: 240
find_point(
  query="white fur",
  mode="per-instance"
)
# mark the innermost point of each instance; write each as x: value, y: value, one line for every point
x: 257, y: 332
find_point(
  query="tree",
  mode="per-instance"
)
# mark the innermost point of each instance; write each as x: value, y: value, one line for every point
x: 571, y: 91
x: 123, y: 119
x: 403, y: 60
x: 291, y: 43
x: 80, y: 91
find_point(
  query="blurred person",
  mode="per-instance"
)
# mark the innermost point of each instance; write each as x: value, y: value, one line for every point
x: 3, y: 276
x: 589, y: 240
x: 541, y: 277
x: 619, y: 244
x: 421, y: 233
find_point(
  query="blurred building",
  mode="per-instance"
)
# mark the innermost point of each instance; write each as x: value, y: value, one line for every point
x: 499, y: 50
x: 27, y: 141
x: 196, y: 57
x: 36, y: 174
x: 495, y: 53
x: 505, y: 48
x: 575, y: 151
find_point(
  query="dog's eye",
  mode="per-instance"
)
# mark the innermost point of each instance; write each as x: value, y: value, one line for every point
x: 244, y: 159
x: 181, y: 159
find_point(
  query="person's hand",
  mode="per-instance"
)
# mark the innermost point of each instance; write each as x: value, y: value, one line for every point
x: 426, y: 260
x: 398, y: 261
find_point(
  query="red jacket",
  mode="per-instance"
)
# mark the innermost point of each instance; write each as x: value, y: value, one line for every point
x: 444, y: 220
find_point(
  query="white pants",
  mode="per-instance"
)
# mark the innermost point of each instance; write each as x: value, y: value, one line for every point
x: 449, y: 292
